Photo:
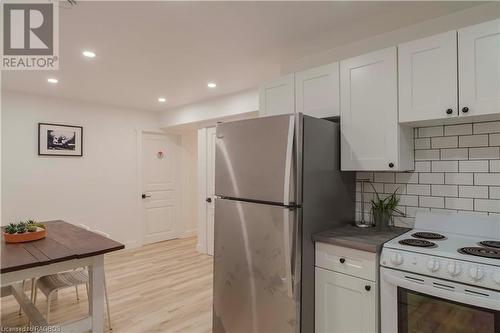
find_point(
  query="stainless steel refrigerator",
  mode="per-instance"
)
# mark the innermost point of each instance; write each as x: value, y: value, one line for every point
x: 277, y: 181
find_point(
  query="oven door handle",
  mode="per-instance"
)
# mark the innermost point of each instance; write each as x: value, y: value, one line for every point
x: 441, y: 293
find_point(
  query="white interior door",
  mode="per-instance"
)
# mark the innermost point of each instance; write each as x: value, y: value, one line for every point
x: 160, y: 155
x: 210, y: 184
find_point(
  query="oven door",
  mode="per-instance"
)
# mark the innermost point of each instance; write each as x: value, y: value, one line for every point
x: 412, y: 303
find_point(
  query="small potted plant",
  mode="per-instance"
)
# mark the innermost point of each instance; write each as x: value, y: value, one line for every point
x: 24, y: 232
x: 383, y: 209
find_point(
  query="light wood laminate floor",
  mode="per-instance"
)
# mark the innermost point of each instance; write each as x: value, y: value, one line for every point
x: 162, y: 287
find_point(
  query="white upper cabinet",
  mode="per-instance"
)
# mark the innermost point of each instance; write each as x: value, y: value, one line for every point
x: 479, y: 69
x: 428, y: 78
x: 317, y: 91
x: 277, y: 96
x: 371, y: 138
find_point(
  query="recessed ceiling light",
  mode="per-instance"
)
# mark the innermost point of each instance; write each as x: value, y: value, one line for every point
x: 211, y: 84
x: 162, y: 99
x: 52, y: 80
x: 89, y: 54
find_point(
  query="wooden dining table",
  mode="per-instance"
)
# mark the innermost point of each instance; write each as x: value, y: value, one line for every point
x: 66, y: 247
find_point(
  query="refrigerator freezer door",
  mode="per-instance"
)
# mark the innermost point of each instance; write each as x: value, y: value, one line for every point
x: 254, y: 159
x: 253, y: 268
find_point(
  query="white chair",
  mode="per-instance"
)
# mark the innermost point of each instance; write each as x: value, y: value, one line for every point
x: 50, y: 284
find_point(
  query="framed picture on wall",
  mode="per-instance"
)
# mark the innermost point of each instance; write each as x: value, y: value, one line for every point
x: 60, y: 140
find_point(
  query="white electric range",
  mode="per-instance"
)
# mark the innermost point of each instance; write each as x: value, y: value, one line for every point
x: 442, y: 276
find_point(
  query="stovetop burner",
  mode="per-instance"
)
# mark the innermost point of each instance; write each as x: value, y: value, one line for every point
x: 428, y: 235
x: 494, y: 244
x: 481, y: 252
x: 417, y: 242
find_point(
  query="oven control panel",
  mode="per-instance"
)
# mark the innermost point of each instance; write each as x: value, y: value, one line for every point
x: 486, y: 276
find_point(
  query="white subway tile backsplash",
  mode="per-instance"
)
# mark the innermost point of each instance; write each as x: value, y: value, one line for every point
x: 426, y: 132
x: 495, y: 139
x: 459, y: 203
x: 446, y: 142
x: 494, y: 192
x: 422, y: 166
x: 384, y: 177
x: 418, y: 189
x: 457, y: 169
x: 408, y: 200
x: 484, y: 205
x: 444, y: 166
x: 494, y: 166
x: 426, y: 154
x: 463, y: 129
x: 473, y: 166
x: 489, y: 127
x: 407, y: 177
x: 454, y: 154
x: 473, y: 141
x: 473, y: 192
x: 490, y: 179
x: 431, y: 202
x: 444, y: 190
x: 431, y: 178
x: 424, y: 143
x: 487, y: 153
x: 459, y: 178
x: 398, y: 188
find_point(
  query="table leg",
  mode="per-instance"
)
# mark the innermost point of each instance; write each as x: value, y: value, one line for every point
x: 96, y: 279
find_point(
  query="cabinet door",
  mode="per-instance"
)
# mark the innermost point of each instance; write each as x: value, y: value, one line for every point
x: 277, y: 96
x: 317, y: 91
x: 479, y: 69
x: 344, y: 303
x: 369, y: 111
x: 428, y: 78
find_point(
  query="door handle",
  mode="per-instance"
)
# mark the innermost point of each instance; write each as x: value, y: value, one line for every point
x: 209, y: 200
x: 144, y: 196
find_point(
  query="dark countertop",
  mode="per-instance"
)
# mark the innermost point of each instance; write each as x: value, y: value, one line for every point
x: 365, y: 239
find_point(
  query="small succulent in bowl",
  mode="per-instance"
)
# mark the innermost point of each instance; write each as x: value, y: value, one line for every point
x: 11, y: 229
x: 21, y: 228
x: 31, y: 227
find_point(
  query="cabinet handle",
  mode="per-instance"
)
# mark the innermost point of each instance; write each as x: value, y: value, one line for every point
x: 449, y: 111
x: 391, y: 165
x: 465, y: 109
x: 342, y: 260
x: 368, y: 288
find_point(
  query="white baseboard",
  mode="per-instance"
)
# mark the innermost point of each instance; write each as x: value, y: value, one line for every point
x: 188, y: 233
x: 200, y: 248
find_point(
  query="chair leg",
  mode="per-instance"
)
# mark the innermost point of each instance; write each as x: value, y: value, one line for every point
x: 36, y: 294
x: 22, y: 288
x: 107, y: 303
x: 32, y: 289
x: 76, y: 289
x: 87, y: 289
x: 49, y: 296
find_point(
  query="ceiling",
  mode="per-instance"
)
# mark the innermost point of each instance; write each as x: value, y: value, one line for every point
x: 172, y: 49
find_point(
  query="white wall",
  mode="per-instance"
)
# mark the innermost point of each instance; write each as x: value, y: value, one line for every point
x: 98, y: 189
x: 189, y: 147
x: 237, y: 104
x: 324, y: 51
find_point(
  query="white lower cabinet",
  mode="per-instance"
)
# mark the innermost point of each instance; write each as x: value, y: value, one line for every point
x: 346, y: 290
x: 344, y: 303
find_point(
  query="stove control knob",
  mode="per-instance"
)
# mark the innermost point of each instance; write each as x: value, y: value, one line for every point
x: 433, y: 265
x: 396, y: 259
x: 496, y: 277
x: 454, y: 268
x: 476, y: 273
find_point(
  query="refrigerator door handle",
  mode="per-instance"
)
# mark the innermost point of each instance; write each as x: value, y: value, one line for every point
x: 288, y: 242
x: 288, y: 161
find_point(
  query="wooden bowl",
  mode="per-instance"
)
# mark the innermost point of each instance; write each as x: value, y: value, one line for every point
x: 25, y: 237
